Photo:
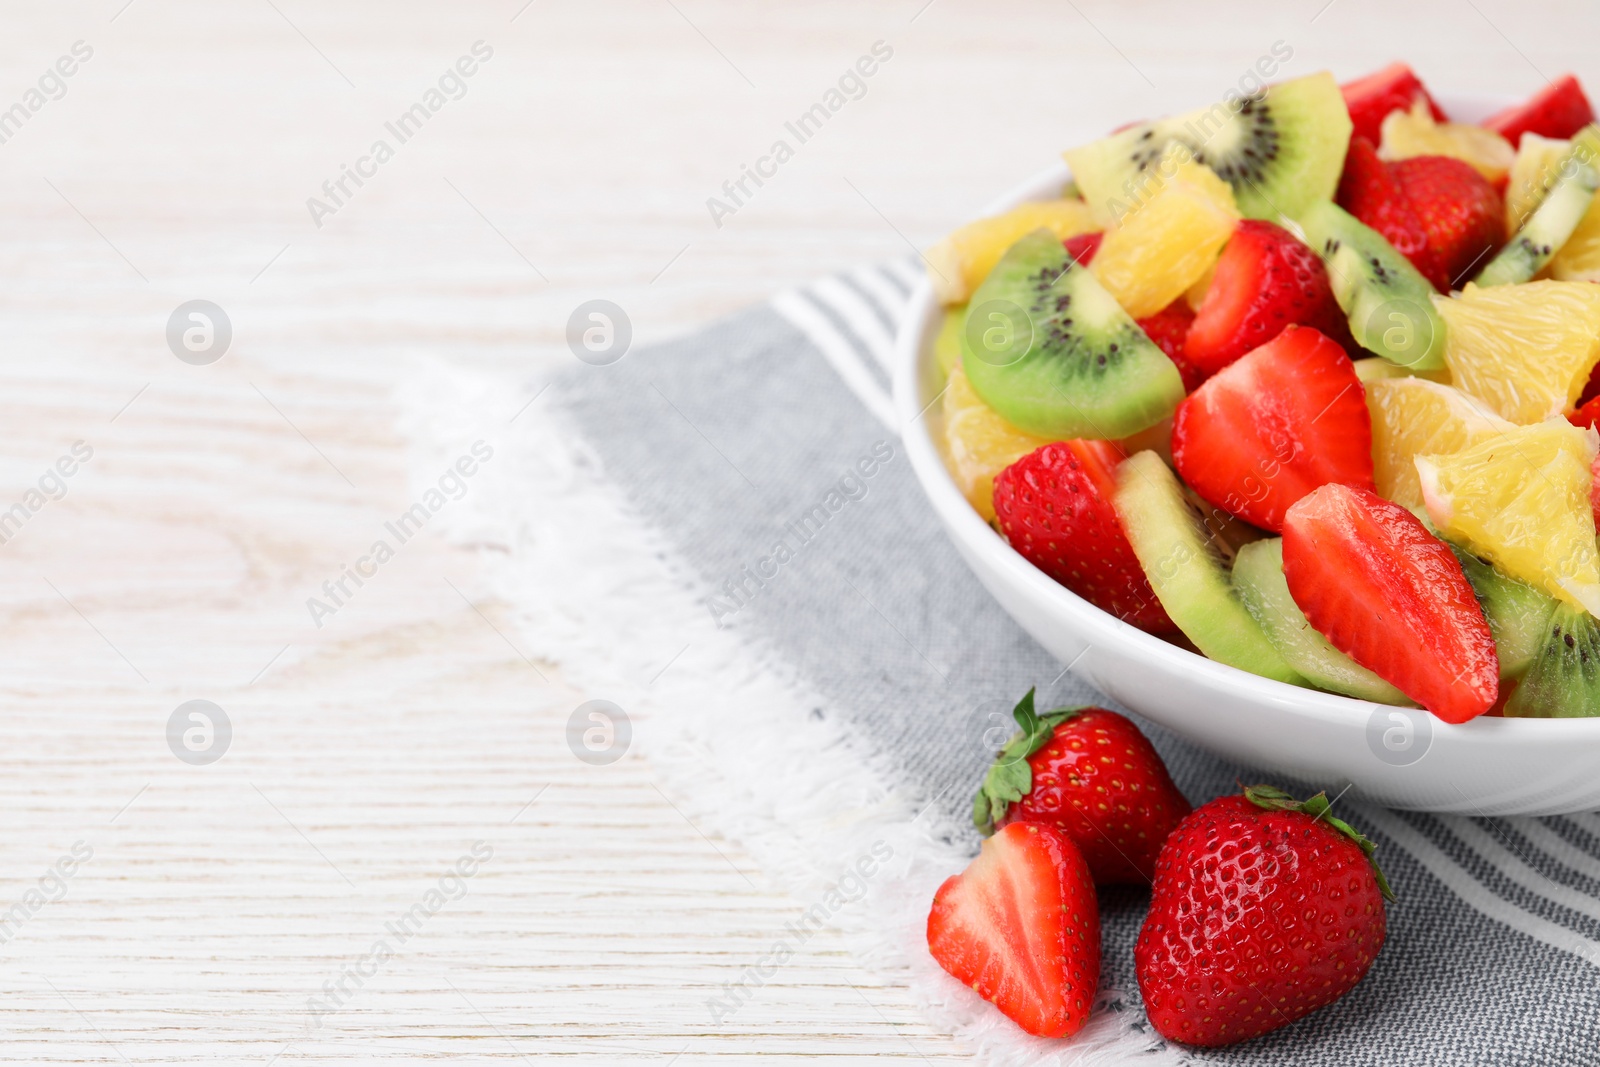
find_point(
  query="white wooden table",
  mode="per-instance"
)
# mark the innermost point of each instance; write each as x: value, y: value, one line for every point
x: 368, y: 755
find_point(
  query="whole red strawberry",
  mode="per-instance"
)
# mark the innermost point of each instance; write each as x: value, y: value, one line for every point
x: 1264, y: 909
x: 1021, y: 927
x: 1054, y: 507
x: 1169, y: 329
x: 1091, y: 774
x: 1462, y: 214
x: 1265, y: 280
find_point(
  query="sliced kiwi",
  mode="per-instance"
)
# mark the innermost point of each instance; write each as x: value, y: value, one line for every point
x: 1548, y: 228
x: 1186, y: 570
x: 1517, y: 613
x: 1389, y: 304
x: 1258, y: 576
x: 1281, y: 149
x: 1564, y: 681
x: 1054, y: 353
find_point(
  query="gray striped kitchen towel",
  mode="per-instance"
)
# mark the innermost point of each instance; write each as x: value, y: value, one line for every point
x: 764, y: 451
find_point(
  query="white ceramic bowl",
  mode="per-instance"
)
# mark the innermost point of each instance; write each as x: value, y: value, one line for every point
x: 1401, y: 758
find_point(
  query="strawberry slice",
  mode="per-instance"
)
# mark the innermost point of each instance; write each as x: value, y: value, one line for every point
x: 1558, y: 110
x: 1462, y: 214
x: 1370, y: 99
x: 1370, y: 190
x: 1054, y: 507
x: 1285, y: 419
x: 1588, y: 414
x: 1169, y: 329
x: 1265, y: 280
x: 1083, y: 246
x: 1391, y: 596
x: 1021, y: 927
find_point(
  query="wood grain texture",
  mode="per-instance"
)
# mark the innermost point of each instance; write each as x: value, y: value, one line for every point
x: 369, y: 754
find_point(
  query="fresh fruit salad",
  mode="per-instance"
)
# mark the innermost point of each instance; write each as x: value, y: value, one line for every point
x: 1306, y: 382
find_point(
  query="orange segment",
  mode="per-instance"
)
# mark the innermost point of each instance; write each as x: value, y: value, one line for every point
x: 1168, y: 243
x: 979, y: 442
x: 1416, y: 133
x: 1412, y: 417
x: 1524, y: 350
x: 1521, y: 500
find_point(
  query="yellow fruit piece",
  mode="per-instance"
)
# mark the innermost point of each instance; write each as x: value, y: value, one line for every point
x: 1171, y: 239
x: 1413, y: 417
x: 1524, y: 350
x: 1416, y: 133
x: 1533, y: 172
x: 1521, y: 500
x: 1377, y: 369
x: 958, y: 264
x: 980, y: 443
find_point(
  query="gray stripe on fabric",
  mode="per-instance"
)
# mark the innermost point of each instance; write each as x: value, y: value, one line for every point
x: 873, y: 607
x: 857, y: 343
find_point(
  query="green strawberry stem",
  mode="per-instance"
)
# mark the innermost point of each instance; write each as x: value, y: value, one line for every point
x: 1010, y: 778
x: 1274, y: 799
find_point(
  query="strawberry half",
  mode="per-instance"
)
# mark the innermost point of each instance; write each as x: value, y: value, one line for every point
x: 1083, y: 246
x: 1462, y: 214
x: 1558, y: 110
x: 1021, y: 927
x: 1091, y: 774
x: 1169, y: 329
x: 1264, y: 909
x: 1054, y: 507
x: 1285, y: 419
x: 1370, y: 191
x: 1370, y: 99
x: 1391, y: 596
x: 1265, y: 280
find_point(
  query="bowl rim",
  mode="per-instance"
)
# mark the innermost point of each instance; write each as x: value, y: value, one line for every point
x: 913, y: 353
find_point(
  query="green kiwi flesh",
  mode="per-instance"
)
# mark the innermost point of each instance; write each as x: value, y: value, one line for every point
x: 1048, y: 348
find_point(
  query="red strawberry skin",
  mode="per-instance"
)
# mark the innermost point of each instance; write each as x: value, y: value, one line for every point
x: 1100, y: 781
x: 1169, y: 329
x: 1370, y: 99
x: 1083, y: 246
x: 1265, y: 281
x: 1257, y: 918
x: 1462, y: 214
x: 1272, y: 427
x: 1054, y: 507
x: 1560, y: 110
x: 1021, y: 927
x: 1391, y: 596
x: 1370, y: 190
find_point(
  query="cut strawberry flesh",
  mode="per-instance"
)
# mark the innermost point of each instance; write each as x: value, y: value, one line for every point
x: 1391, y: 596
x: 1558, y: 110
x: 1265, y: 280
x: 1371, y: 99
x: 1054, y: 507
x: 1020, y: 927
x: 1287, y: 418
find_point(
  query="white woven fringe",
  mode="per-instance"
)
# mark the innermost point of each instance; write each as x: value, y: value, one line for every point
x: 734, y: 737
